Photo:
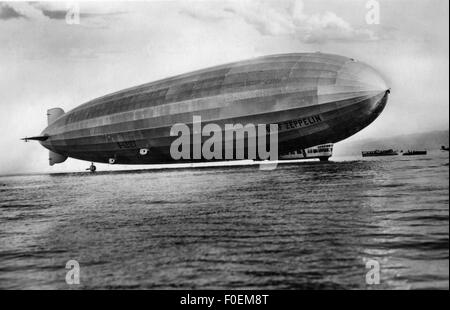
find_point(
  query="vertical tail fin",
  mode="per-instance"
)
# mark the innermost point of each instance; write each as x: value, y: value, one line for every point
x: 54, y: 114
x: 55, y: 158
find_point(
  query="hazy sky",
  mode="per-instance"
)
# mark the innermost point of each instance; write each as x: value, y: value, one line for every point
x: 46, y: 62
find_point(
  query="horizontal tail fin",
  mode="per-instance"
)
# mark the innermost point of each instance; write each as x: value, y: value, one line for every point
x: 37, y: 138
x: 52, y: 116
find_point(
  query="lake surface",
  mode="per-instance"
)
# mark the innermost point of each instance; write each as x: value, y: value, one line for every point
x: 302, y: 226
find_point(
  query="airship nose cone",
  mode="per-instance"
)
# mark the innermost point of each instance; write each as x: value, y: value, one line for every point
x: 355, y: 82
x: 357, y: 96
x: 361, y: 77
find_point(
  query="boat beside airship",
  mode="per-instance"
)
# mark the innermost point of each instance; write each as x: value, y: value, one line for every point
x: 313, y: 98
x: 322, y: 152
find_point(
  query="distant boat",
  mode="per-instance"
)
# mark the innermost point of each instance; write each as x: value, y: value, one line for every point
x: 409, y: 153
x: 322, y: 152
x: 389, y: 152
x: 444, y: 148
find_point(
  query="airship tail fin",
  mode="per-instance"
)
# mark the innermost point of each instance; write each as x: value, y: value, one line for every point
x: 54, y: 114
x: 37, y: 138
x: 55, y: 158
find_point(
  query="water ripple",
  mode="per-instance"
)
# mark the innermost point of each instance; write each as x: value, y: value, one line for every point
x: 301, y: 226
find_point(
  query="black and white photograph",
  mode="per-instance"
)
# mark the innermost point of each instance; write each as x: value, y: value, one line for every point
x: 224, y: 150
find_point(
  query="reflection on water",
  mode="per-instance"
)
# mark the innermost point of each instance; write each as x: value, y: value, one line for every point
x: 308, y: 225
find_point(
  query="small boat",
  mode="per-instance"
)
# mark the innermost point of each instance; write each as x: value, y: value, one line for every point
x: 409, y: 153
x: 92, y: 168
x: 389, y: 152
x: 444, y: 148
x: 322, y: 152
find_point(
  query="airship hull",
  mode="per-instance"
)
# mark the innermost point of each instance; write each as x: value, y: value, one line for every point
x: 313, y: 98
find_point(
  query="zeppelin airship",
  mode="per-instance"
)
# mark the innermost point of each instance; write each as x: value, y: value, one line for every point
x: 313, y: 98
